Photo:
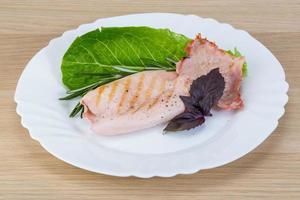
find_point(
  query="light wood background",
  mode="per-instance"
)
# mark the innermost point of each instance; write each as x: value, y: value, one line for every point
x: 27, y: 171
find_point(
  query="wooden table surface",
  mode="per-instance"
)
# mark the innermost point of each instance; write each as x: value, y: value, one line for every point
x: 27, y: 171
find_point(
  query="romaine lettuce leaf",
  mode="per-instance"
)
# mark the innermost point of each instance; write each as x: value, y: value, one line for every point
x: 112, y: 53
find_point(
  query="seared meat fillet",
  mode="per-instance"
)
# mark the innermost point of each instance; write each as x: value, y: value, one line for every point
x: 135, y: 102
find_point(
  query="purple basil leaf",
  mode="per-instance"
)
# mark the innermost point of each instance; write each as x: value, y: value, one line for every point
x: 188, y: 103
x: 185, y: 121
x: 207, y: 90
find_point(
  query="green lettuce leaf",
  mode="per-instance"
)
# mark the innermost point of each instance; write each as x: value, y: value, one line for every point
x: 107, y: 54
x: 237, y: 54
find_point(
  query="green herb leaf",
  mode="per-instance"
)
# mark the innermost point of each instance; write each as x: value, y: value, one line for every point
x: 107, y: 52
x: 237, y: 54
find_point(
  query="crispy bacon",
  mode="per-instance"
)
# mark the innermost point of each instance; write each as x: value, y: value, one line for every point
x: 203, y: 56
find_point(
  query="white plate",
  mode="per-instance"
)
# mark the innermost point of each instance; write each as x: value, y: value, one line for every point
x: 225, y: 137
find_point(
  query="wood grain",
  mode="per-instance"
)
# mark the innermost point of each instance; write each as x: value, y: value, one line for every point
x: 27, y: 171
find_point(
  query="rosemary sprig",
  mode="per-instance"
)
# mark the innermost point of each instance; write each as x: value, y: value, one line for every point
x: 78, y: 92
x: 76, y: 110
x: 82, y: 91
x: 155, y: 65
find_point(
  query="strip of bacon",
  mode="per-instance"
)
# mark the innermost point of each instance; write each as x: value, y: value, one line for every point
x: 203, y: 56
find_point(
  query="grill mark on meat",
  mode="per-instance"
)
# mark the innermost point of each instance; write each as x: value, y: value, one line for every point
x: 148, y: 94
x: 100, y: 92
x: 155, y: 100
x: 125, y: 94
x: 112, y: 91
x: 136, y: 94
x: 150, y: 88
x: 162, y: 87
x: 171, y: 92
